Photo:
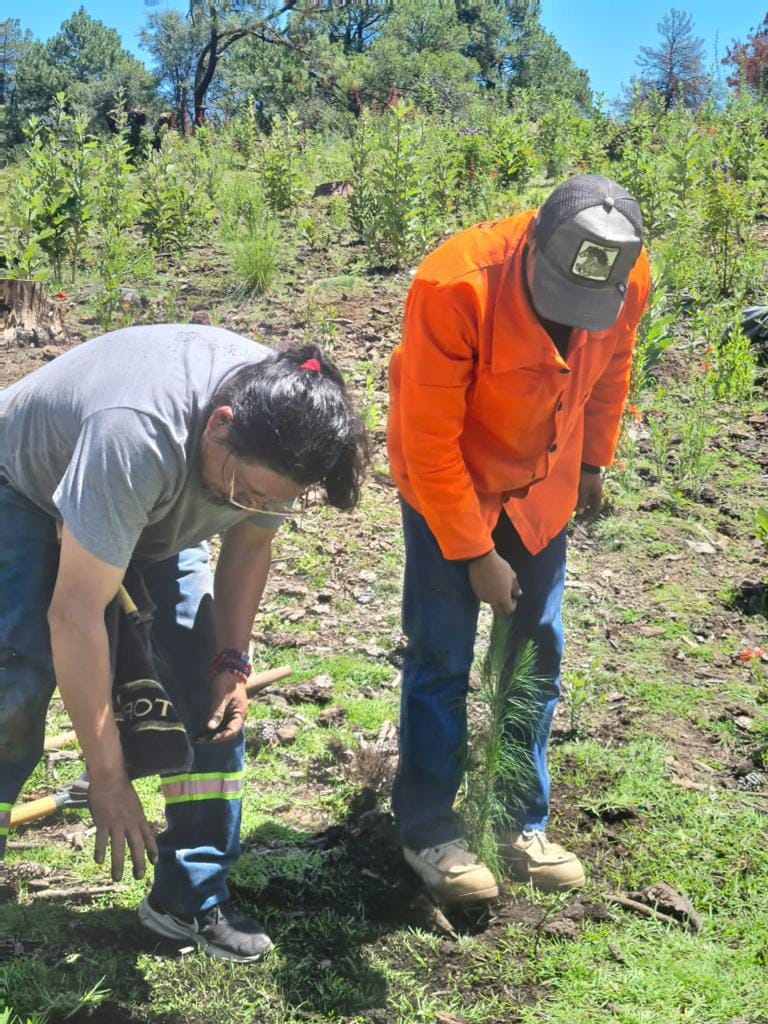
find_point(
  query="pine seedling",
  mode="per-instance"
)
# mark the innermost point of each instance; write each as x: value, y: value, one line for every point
x: 501, y: 770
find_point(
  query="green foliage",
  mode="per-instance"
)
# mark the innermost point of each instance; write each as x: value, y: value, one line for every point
x: 501, y: 771
x: 279, y: 166
x: 729, y: 360
x: 120, y: 258
x: 578, y: 694
x: 7, y: 1016
x: 387, y: 208
x: 176, y: 203
x: 726, y: 212
x: 86, y: 60
x: 242, y: 132
x: 680, y: 432
x: 51, y: 201
x: 255, y: 258
x: 174, y: 43
x: 557, y: 128
x: 418, y: 55
x: 761, y: 518
x: 541, y: 67
x: 653, y: 338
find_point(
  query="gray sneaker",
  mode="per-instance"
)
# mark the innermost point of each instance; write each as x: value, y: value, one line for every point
x: 220, y: 931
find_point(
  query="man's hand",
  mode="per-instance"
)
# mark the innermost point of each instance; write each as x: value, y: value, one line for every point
x: 590, y: 499
x: 494, y: 581
x: 229, y: 707
x: 119, y: 819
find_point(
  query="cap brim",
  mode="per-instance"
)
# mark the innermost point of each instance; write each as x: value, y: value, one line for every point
x: 576, y: 305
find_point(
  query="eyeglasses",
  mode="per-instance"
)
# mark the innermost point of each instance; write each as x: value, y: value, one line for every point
x: 284, y: 508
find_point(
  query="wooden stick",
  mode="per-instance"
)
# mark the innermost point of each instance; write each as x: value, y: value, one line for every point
x: 646, y: 911
x: 264, y: 679
x: 62, y: 740
x: 85, y: 892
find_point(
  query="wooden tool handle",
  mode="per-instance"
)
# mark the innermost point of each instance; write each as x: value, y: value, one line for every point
x: 35, y: 809
x: 264, y: 679
x: 126, y: 601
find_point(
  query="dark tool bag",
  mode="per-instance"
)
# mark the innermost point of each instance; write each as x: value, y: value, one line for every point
x: 152, y: 735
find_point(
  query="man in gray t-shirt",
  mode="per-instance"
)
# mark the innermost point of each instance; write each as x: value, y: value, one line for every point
x: 137, y: 447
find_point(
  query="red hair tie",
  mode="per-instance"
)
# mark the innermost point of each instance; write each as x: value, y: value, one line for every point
x: 311, y: 364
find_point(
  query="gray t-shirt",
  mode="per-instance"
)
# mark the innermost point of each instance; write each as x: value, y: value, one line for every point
x: 106, y: 438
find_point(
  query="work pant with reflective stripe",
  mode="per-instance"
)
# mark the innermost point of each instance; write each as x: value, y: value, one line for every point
x: 203, y: 812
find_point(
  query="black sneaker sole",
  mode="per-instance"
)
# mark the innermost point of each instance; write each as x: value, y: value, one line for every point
x: 170, y: 927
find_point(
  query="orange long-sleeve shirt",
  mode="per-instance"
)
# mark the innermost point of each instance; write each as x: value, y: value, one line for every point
x: 484, y: 412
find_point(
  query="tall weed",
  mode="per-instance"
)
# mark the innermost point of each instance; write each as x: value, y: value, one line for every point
x: 255, y: 258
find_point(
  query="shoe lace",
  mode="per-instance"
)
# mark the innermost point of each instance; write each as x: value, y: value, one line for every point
x: 539, y: 835
x: 435, y: 854
x: 221, y: 912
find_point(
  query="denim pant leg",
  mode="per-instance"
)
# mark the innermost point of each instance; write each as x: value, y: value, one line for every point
x: 538, y: 619
x: 203, y: 806
x: 440, y: 621
x: 29, y: 560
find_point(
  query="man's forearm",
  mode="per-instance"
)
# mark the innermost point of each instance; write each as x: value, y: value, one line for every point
x: 241, y: 575
x: 81, y: 664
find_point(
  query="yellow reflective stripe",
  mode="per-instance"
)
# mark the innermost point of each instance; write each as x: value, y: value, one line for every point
x: 192, y: 797
x: 157, y: 726
x: 203, y: 786
x: 186, y: 777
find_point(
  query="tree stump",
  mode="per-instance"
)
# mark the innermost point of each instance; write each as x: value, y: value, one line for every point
x: 26, y: 316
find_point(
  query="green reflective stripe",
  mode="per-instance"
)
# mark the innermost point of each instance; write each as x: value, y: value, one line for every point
x: 6, y: 807
x: 203, y: 796
x: 201, y: 776
x: 3, y: 830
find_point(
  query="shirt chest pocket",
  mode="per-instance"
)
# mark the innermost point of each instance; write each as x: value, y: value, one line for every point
x: 520, y: 400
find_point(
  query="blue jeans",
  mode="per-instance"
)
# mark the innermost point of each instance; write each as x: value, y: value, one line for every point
x: 440, y: 621
x: 203, y: 807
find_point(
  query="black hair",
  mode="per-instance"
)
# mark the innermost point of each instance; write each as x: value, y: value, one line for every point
x: 300, y: 423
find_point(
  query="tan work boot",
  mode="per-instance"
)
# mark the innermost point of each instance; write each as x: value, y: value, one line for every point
x: 531, y: 857
x: 453, y: 874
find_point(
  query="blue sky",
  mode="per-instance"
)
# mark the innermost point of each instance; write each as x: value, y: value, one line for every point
x: 605, y: 37
x: 600, y: 35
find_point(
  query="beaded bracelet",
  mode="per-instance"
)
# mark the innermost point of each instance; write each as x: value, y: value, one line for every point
x: 232, y: 660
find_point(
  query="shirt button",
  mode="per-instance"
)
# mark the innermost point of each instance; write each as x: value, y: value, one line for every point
x: 565, y: 370
x: 559, y: 407
x: 553, y: 447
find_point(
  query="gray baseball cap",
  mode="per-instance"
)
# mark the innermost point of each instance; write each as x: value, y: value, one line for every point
x: 587, y: 235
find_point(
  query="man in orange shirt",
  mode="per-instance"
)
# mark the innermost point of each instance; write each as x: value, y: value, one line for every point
x: 506, y: 398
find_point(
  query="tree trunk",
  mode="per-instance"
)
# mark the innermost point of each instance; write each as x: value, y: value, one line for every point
x: 26, y: 316
x: 206, y: 65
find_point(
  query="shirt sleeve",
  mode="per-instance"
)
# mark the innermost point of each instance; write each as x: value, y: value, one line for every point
x: 438, y: 356
x: 123, y: 471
